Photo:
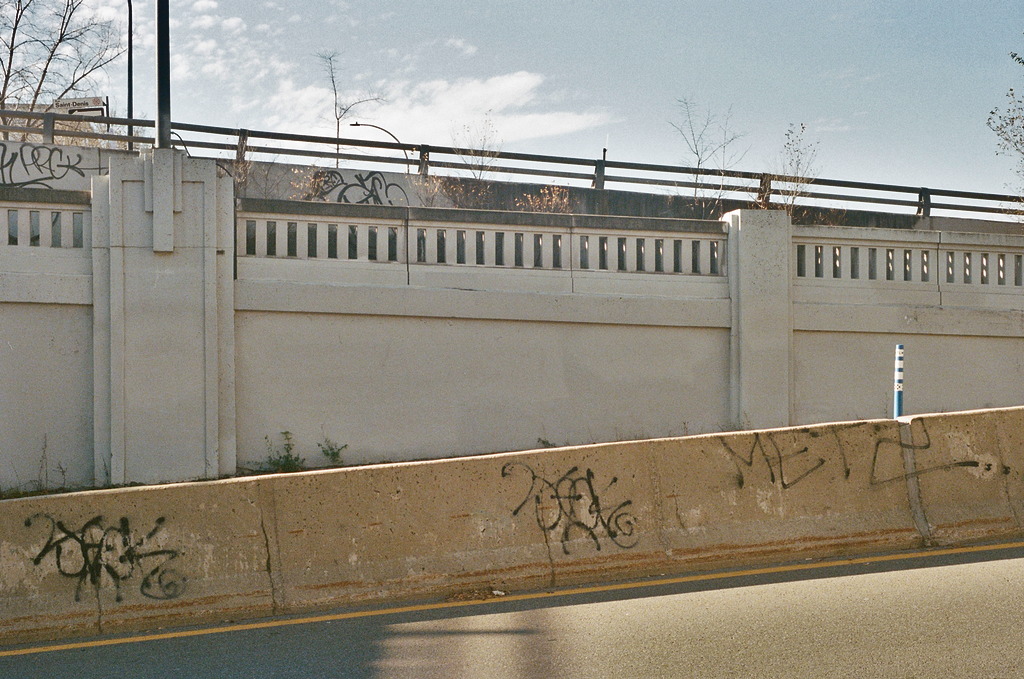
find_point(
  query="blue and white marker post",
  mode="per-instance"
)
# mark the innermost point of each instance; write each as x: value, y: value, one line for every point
x: 897, y: 386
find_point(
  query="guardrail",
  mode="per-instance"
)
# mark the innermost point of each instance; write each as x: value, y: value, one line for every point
x: 706, y: 184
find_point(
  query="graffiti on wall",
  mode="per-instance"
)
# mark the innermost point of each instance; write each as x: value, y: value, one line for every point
x: 369, y: 188
x: 97, y: 553
x: 570, y: 506
x: 786, y: 465
x: 43, y: 167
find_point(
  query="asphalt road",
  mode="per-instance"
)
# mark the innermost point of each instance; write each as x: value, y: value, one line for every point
x: 949, y: 614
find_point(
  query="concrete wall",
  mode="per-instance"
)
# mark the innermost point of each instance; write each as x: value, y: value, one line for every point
x: 401, y: 332
x: 102, y: 561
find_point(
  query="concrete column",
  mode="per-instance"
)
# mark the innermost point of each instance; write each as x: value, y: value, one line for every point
x: 163, y: 323
x: 760, y: 242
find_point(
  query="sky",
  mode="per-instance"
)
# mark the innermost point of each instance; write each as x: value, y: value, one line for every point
x: 893, y: 91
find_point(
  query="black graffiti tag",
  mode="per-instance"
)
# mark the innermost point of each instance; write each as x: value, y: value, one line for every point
x: 96, y: 551
x: 28, y: 165
x: 577, y: 508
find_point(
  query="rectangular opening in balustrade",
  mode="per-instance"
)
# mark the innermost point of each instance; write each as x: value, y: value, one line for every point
x: 1001, y: 270
x: 837, y: 262
x: 801, y: 261
x: 538, y: 250
x: 677, y: 256
x: 968, y: 273
x: 908, y: 265
x: 926, y: 274
x: 33, y: 228
x: 499, y: 248
x: 602, y: 253
x: 460, y: 247
x: 392, y: 243
x: 855, y: 263
x: 714, y: 268
x: 584, y: 252
x: 442, y: 243
x: 621, y: 251
x: 371, y: 243
x: 353, y: 241
x: 332, y: 241
x: 659, y: 255
x: 519, y: 241
x: 556, y: 251
x: 984, y: 268
x: 640, y: 246
x: 872, y: 264
x: 293, y: 239
x: 311, y: 241
x: 77, y: 230
x: 12, y: 227
x: 271, y: 239
x: 695, y: 256
x: 480, y: 251
x: 819, y: 263
x: 421, y: 246
x: 250, y: 237
x: 890, y: 264
x: 57, y: 238
x: 950, y: 272
x: 1018, y: 270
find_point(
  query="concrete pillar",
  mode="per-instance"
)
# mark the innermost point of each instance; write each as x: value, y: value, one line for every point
x: 163, y: 306
x: 760, y: 242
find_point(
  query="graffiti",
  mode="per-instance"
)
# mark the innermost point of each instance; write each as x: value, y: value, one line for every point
x: 34, y: 166
x: 777, y: 461
x: 96, y: 552
x: 787, y: 466
x: 577, y: 508
x: 984, y: 466
x: 371, y: 188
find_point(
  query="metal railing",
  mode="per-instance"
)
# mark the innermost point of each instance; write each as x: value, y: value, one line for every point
x: 706, y: 184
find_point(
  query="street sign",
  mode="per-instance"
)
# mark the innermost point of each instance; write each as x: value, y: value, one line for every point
x: 86, y: 106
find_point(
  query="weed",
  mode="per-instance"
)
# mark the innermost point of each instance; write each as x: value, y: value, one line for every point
x: 331, y: 450
x: 283, y: 459
x: 544, y: 443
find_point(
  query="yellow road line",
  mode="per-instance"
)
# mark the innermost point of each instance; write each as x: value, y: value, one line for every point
x: 597, y: 589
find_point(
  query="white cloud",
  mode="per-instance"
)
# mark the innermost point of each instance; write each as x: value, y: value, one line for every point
x: 233, y: 25
x: 204, y: 6
x: 461, y: 45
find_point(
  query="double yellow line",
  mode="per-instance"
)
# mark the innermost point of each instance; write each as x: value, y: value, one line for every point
x: 242, y: 627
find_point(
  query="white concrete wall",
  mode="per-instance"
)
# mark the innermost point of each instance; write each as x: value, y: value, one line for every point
x: 697, y: 328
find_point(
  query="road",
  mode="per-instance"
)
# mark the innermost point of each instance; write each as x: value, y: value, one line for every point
x: 951, y: 613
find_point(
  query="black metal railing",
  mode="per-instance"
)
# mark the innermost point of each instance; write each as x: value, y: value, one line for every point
x: 763, y: 188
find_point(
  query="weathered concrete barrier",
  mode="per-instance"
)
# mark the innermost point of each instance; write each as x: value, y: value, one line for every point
x: 101, y: 561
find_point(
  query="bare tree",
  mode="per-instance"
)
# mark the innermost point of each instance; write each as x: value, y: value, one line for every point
x: 480, y: 146
x: 341, y: 109
x: 798, y: 161
x: 711, y: 144
x: 51, y: 49
x: 1008, y: 124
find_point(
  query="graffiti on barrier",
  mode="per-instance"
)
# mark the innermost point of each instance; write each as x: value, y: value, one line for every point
x: 571, y: 505
x: 97, y: 552
x: 786, y: 464
x: 37, y: 166
x: 370, y: 188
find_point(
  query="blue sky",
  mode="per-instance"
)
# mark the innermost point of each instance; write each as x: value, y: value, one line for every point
x: 895, y: 91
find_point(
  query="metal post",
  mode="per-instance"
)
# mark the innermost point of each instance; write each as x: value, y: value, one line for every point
x: 163, y: 75
x: 48, y: 123
x: 131, y: 105
x: 897, y: 387
x: 424, y: 160
x: 924, y: 203
x: 599, y: 170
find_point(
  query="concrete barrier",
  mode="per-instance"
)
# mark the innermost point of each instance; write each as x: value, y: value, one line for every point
x: 103, y: 561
